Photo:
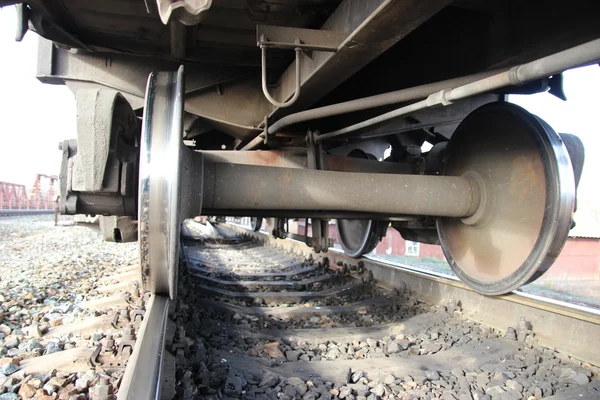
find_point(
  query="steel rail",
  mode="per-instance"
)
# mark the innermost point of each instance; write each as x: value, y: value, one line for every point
x: 143, y: 374
x: 570, y: 328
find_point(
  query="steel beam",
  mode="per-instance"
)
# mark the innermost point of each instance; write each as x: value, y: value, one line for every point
x: 127, y: 74
x: 298, y: 159
x: 373, y: 27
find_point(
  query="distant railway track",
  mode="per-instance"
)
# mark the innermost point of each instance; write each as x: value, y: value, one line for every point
x: 18, y: 213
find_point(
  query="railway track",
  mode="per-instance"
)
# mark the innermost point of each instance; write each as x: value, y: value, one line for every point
x: 19, y: 213
x: 258, y: 317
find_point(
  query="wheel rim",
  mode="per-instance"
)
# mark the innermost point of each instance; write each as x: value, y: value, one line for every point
x: 256, y: 223
x: 530, y: 194
x: 355, y: 236
x: 160, y: 182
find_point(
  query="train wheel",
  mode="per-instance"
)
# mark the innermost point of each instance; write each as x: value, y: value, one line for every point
x: 527, y: 197
x: 159, y: 188
x: 256, y: 223
x: 359, y: 236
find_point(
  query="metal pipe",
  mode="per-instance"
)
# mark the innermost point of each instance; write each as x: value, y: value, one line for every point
x: 584, y: 54
x: 375, y: 120
x: 378, y: 100
x: 249, y: 187
x: 365, y: 103
x: 587, y: 53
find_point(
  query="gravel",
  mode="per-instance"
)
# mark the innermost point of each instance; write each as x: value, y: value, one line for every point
x: 272, y: 341
x: 46, y: 271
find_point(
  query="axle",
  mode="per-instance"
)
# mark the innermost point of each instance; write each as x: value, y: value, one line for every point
x: 228, y: 186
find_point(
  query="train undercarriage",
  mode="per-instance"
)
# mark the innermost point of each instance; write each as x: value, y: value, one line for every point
x: 370, y: 113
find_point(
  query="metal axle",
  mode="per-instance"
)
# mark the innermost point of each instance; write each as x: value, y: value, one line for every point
x: 230, y: 187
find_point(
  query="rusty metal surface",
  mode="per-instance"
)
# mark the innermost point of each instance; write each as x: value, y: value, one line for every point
x: 249, y: 187
x: 372, y: 27
x: 528, y: 200
x: 271, y: 158
x: 284, y: 37
x: 99, y: 169
x: 298, y: 159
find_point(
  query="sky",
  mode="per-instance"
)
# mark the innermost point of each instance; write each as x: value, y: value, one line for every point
x: 579, y: 115
x: 35, y: 117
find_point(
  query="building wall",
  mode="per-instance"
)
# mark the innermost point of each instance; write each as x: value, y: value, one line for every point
x: 393, y: 243
x: 579, y: 259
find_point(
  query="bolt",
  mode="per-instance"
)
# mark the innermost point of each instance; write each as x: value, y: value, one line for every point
x: 179, y: 334
x: 129, y: 332
x: 524, y: 325
x: 103, y: 389
x: 110, y: 342
x: 186, y: 390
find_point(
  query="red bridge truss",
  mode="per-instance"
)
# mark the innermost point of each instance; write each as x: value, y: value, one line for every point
x: 14, y: 196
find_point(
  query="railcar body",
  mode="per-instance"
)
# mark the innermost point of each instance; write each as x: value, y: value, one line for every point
x: 320, y: 109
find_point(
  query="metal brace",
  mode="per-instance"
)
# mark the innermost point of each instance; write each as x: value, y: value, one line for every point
x: 320, y: 227
x: 283, y: 37
x: 127, y: 342
x: 281, y: 228
x: 106, y: 355
x: 139, y: 310
x: 293, y: 38
x: 179, y: 347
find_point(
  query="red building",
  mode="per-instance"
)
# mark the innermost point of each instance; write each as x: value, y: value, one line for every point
x: 577, y: 268
x: 578, y: 261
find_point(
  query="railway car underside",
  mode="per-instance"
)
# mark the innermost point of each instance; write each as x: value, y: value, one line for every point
x: 321, y: 109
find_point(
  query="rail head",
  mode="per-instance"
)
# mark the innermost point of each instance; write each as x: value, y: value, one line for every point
x: 143, y: 375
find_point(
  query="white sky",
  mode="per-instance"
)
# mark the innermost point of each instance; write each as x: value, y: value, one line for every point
x: 34, y: 117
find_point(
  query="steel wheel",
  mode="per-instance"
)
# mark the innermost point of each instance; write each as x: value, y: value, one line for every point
x: 256, y: 223
x: 527, y: 200
x: 160, y: 181
x: 359, y: 236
